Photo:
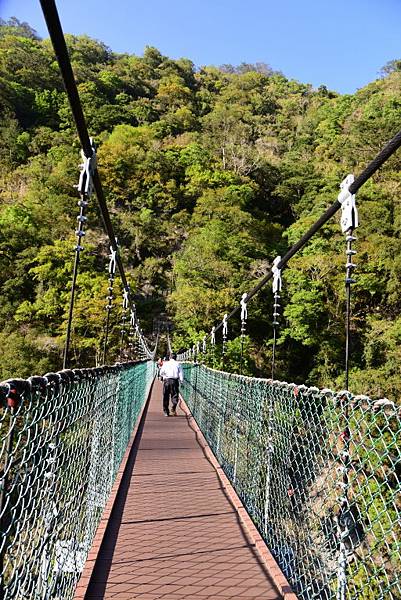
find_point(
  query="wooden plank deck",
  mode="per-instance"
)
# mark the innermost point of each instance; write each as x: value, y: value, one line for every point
x: 174, y: 532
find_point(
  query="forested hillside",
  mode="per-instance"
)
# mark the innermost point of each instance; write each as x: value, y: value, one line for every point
x: 209, y: 174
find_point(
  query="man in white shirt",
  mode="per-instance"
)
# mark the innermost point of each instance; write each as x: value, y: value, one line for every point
x: 172, y: 375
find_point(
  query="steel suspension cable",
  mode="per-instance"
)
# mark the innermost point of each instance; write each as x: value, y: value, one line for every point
x: 371, y: 168
x: 85, y: 189
x: 60, y: 48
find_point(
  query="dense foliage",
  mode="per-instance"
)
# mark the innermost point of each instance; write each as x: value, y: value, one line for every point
x: 209, y: 174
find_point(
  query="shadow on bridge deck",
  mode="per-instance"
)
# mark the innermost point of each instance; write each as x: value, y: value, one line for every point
x: 175, y: 531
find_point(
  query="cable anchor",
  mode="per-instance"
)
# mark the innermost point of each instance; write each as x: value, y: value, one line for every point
x: 110, y: 297
x: 88, y: 167
x: 225, y: 333
x: 131, y: 332
x: 125, y: 299
x: 277, y: 283
x: 244, y: 310
x: 85, y: 189
x: 213, y: 335
x: 113, y: 261
x: 225, y: 325
x: 349, y: 212
x: 123, y: 319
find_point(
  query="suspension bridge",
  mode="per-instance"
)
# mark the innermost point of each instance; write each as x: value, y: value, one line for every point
x: 257, y: 489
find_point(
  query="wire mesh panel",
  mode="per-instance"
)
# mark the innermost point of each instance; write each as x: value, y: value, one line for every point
x: 319, y: 474
x: 62, y: 440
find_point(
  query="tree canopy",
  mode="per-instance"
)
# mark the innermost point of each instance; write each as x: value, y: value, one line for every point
x: 210, y: 173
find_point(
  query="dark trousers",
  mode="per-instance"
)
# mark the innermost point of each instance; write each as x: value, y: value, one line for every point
x: 170, y: 389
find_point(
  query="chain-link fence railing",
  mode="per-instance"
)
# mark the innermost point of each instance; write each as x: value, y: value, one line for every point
x: 62, y: 439
x: 319, y: 473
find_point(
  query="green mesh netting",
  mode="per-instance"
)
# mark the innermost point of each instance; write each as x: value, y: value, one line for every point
x: 283, y: 447
x: 62, y: 440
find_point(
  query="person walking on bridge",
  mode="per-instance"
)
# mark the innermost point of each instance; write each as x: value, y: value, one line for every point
x: 159, y: 365
x: 172, y: 375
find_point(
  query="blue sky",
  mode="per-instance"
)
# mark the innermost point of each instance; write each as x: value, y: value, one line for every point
x: 342, y: 44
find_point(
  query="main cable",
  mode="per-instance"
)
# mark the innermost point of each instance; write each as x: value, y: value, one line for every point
x: 371, y: 168
x: 57, y: 37
x: 60, y: 48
